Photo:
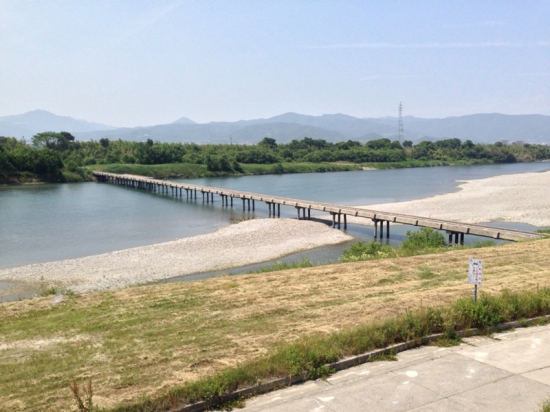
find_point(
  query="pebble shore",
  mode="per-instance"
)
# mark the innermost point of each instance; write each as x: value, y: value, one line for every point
x: 241, y: 244
x: 520, y: 198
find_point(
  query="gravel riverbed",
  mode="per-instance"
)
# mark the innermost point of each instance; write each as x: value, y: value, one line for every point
x: 240, y: 244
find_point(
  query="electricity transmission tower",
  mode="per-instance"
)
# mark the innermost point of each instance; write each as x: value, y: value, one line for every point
x: 400, y: 124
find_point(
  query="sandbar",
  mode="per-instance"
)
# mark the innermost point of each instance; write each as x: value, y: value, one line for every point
x: 240, y: 244
x: 520, y: 198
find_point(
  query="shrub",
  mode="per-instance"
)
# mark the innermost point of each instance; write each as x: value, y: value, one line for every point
x: 425, y: 238
x: 89, y: 161
x: 366, y: 251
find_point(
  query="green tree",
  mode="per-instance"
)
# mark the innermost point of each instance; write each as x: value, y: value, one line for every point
x: 53, y: 140
x: 268, y: 142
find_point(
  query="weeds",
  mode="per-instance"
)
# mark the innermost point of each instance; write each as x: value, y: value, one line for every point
x: 545, y: 406
x: 425, y: 238
x: 281, y: 265
x: 367, y: 251
x: 48, y: 290
x: 83, y: 396
x: 482, y: 243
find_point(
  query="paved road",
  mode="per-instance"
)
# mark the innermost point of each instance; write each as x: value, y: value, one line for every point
x: 508, y: 372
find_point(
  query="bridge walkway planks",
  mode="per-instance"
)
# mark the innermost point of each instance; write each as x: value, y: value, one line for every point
x: 456, y: 229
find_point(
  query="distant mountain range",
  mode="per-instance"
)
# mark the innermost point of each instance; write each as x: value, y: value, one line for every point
x: 28, y: 124
x: 480, y: 128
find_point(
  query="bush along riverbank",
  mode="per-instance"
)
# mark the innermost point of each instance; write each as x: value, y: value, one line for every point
x: 422, y: 242
x: 58, y: 157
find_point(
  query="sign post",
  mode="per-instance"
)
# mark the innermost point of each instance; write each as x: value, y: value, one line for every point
x: 475, y: 271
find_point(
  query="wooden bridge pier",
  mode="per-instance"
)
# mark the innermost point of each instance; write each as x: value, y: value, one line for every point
x: 339, y: 214
x: 225, y: 200
x: 274, y: 209
x: 303, y: 209
x: 250, y: 201
x: 376, y: 221
x: 458, y: 238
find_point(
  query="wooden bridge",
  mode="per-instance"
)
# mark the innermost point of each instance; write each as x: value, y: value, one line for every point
x: 455, y: 230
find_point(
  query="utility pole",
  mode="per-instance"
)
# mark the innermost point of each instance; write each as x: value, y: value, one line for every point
x: 400, y: 134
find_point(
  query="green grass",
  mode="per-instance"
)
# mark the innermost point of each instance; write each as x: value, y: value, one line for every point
x: 191, y: 170
x: 281, y: 265
x: 410, y: 163
x: 545, y: 406
x: 314, y: 353
x: 543, y: 231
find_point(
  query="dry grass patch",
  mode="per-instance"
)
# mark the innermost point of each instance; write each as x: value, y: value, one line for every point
x: 147, y: 339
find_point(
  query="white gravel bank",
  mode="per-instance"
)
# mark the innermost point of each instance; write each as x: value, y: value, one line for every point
x: 241, y: 244
x: 522, y: 198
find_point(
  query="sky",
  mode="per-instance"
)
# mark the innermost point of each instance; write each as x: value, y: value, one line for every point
x: 140, y: 63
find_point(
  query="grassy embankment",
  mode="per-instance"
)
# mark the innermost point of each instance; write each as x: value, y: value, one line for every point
x: 144, y: 341
x: 410, y: 163
x: 190, y: 170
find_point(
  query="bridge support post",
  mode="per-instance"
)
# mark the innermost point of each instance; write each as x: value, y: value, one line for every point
x: 462, y: 239
x: 278, y: 210
x: 243, y: 205
x: 388, y: 229
x: 375, y: 228
x: 298, y: 210
x: 381, y: 229
x: 339, y: 216
x: 253, y: 205
x: 345, y: 221
x: 231, y: 201
x: 249, y: 205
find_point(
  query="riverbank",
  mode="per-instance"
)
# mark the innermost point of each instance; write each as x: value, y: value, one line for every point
x: 519, y: 198
x: 240, y: 244
x: 141, y: 342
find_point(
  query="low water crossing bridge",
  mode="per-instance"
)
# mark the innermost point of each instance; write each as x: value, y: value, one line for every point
x: 455, y: 230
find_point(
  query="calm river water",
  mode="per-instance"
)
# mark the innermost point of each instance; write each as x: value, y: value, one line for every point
x: 40, y: 223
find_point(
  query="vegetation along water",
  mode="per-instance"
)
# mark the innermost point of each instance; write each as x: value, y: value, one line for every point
x: 57, y: 157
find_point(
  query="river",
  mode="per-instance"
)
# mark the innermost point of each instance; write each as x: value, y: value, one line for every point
x: 48, y: 222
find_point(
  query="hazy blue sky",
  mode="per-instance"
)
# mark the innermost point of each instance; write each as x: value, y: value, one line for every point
x: 130, y: 63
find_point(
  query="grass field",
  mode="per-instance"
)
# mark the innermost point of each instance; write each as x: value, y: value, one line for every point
x: 147, y: 339
x: 191, y: 170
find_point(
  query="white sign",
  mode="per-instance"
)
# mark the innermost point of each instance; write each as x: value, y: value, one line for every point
x: 474, y: 271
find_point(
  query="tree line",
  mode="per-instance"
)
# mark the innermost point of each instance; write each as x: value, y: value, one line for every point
x: 57, y: 156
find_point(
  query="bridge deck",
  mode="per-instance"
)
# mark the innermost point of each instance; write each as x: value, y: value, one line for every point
x: 377, y: 216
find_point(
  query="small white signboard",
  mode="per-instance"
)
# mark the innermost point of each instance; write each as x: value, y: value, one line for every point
x: 475, y: 271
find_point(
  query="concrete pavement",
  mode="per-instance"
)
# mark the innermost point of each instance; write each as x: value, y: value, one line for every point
x: 509, y: 371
